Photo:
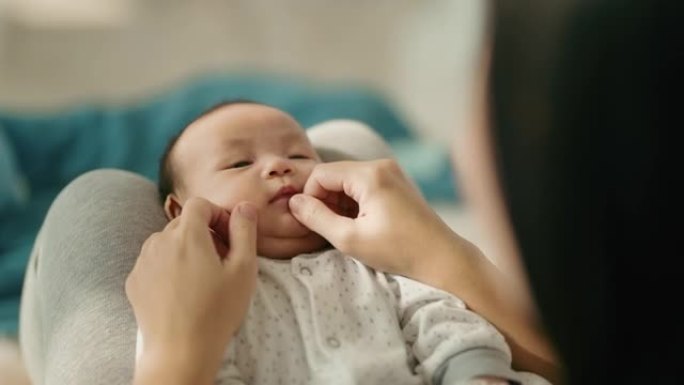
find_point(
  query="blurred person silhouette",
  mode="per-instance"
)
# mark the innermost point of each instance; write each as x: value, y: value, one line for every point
x: 578, y: 101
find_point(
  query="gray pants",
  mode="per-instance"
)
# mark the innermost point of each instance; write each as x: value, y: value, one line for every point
x: 76, y: 325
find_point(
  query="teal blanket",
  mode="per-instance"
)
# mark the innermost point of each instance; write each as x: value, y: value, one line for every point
x: 40, y: 154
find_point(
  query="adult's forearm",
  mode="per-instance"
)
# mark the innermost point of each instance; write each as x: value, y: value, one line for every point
x: 459, y: 267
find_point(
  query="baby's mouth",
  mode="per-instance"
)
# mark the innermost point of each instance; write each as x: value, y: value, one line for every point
x: 285, y: 192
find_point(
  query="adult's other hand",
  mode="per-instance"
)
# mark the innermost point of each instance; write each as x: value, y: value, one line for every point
x: 395, y: 230
x: 189, y: 298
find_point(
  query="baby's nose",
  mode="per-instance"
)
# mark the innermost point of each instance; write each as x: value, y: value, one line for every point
x: 279, y: 167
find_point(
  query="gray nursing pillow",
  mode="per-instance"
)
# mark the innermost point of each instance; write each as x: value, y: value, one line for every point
x: 336, y: 140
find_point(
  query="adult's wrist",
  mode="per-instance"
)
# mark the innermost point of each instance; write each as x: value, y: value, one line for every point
x: 450, y: 263
x: 460, y: 268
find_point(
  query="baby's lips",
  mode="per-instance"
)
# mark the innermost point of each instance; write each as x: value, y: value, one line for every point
x: 285, y: 192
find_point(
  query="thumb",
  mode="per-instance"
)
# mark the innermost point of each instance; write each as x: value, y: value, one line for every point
x: 319, y: 218
x: 242, y: 230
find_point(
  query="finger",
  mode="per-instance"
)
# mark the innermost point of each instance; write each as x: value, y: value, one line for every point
x: 172, y: 224
x: 130, y: 284
x: 197, y: 210
x: 243, y: 234
x: 340, y: 177
x: 199, y: 216
x: 349, y: 207
x: 147, y: 244
x: 315, y: 215
x: 343, y: 205
x: 220, y: 223
x: 220, y: 244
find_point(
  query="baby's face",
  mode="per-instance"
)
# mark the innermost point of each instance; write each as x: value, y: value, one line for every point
x: 255, y: 153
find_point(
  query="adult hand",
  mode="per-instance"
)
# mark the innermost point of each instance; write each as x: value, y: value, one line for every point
x: 394, y: 230
x: 188, y: 298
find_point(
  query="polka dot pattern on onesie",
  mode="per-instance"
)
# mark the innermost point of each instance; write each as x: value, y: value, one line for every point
x: 325, y: 318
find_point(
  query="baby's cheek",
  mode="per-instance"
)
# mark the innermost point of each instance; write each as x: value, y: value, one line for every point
x: 230, y: 198
x: 306, y: 171
x: 221, y: 200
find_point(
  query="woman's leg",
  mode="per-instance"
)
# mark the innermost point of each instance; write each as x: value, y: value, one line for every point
x: 76, y: 325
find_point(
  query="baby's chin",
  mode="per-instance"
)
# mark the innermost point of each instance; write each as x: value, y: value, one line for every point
x: 281, y: 236
x: 287, y: 248
x: 282, y: 225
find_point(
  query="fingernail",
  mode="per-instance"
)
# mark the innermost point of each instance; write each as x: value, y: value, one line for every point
x: 248, y: 211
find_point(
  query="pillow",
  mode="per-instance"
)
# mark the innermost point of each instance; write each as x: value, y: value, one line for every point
x: 427, y: 166
x: 346, y: 139
x: 12, y: 190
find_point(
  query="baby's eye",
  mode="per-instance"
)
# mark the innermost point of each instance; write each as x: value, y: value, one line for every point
x: 240, y: 164
x: 298, y: 156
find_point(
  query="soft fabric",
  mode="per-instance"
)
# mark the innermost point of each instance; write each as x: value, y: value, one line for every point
x: 325, y: 318
x: 344, y: 139
x: 77, y: 327
x: 52, y: 149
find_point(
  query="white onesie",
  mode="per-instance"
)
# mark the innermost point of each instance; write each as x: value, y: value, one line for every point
x: 325, y: 318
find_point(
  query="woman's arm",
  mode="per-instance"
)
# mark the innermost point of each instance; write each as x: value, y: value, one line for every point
x: 396, y: 231
x: 458, y: 267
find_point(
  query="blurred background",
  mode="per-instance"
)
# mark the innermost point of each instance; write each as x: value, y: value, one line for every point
x: 80, y: 76
x: 420, y: 54
x: 108, y: 64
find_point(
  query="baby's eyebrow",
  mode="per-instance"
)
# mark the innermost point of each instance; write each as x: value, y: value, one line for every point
x: 229, y: 149
x: 291, y: 137
x: 236, y: 142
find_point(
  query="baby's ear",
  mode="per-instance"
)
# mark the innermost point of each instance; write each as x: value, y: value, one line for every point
x: 172, y: 206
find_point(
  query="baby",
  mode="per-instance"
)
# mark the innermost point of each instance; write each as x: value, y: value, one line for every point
x: 318, y: 316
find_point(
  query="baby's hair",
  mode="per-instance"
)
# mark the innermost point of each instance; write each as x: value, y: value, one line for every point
x: 167, y: 177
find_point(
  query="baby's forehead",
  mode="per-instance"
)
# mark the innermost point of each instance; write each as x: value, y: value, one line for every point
x: 239, y: 120
x: 240, y: 127
x: 240, y: 137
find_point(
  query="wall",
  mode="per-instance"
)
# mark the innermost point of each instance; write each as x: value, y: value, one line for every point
x: 421, y: 53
